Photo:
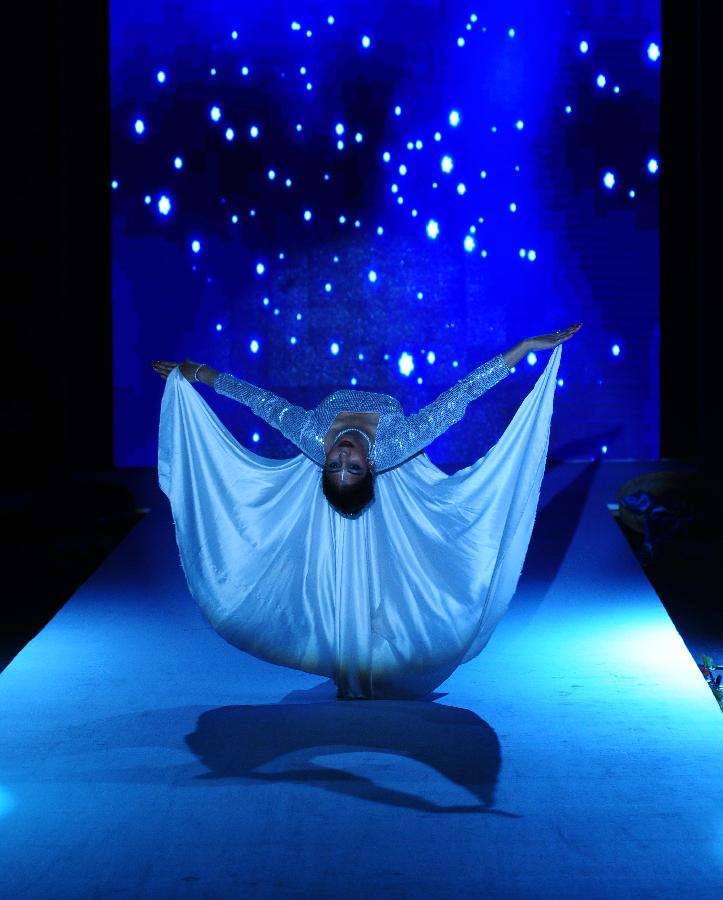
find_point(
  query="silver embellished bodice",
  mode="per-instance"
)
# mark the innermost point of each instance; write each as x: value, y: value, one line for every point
x: 398, y: 436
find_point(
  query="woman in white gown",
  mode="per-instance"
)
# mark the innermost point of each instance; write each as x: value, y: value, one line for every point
x: 358, y: 559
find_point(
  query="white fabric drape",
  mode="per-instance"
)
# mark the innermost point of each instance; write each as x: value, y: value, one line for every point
x: 387, y: 605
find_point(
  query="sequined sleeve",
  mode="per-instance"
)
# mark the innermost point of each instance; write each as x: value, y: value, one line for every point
x: 415, y: 432
x: 278, y: 412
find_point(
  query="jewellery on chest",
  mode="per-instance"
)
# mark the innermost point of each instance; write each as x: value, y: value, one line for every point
x: 356, y: 431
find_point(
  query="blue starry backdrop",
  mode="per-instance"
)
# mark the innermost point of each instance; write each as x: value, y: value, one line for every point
x: 383, y: 196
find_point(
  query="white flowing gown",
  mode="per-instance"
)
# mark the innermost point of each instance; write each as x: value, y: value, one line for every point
x: 387, y: 604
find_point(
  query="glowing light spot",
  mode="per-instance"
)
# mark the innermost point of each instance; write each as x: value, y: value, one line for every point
x: 406, y: 363
x: 234, y: 35
x: 352, y: 381
x: 330, y: 20
x: 414, y: 213
x: 292, y: 340
x: 307, y: 215
x: 213, y: 71
x: 244, y: 71
x: 295, y: 26
x: 609, y: 180
x: 219, y: 326
x: 394, y: 188
x: 380, y: 230
x: 400, y: 200
x: 139, y: 126
x: 358, y: 137
x: 631, y: 194
x: 260, y: 268
x: 616, y: 89
x: 532, y: 255
x: 340, y: 145
x: 372, y: 276
x: 454, y: 118
x: 568, y: 109
x: 397, y: 110
x: 431, y: 357
x: 271, y: 174
x: 615, y: 349
x: 360, y: 357
x: 161, y: 77
x: 513, y: 207
x: 438, y: 135
x: 420, y: 295
x: 483, y: 174
x: 254, y: 131
x: 433, y: 229
x: 473, y: 17
x: 230, y: 134
x: 196, y: 246
x: 560, y: 382
x: 334, y: 348
x: 386, y: 156
x: 469, y: 243
x: 601, y: 81
x: 483, y: 254
x: 309, y: 86
x: 366, y: 42
x: 339, y: 128
x: 178, y: 162
x: 114, y: 184
x: 653, y: 52
x: 299, y: 127
x: 342, y: 220
x: 147, y: 199
x: 653, y: 166
x: 531, y: 359
x: 511, y: 32
x: 288, y: 182
x: 327, y: 287
x: 215, y: 113
x: 164, y: 205
x: 584, y: 47
x: 254, y: 346
x: 519, y: 124
x: 447, y: 164
x: 265, y: 301
x: 461, y: 189
x: 604, y: 448
x: 523, y: 253
x: 255, y: 437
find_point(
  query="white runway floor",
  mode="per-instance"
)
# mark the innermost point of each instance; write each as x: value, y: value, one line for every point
x: 578, y: 756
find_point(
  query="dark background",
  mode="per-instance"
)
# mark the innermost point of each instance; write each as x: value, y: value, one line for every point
x: 62, y: 512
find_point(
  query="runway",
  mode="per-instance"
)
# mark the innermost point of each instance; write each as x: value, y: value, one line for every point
x: 577, y: 756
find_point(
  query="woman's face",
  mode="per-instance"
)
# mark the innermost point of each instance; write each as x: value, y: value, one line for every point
x: 346, y: 462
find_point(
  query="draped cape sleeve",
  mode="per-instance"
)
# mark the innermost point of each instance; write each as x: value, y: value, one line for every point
x: 388, y: 604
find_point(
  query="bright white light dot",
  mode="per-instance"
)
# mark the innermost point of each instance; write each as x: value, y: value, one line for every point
x: 292, y: 340
x: 255, y: 437
x: 460, y: 42
x: 531, y: 358
x: 604, y: 448
x: 631, y: 194
x: 358, y: 137
x: 455, y: 364
x: 295, y: 26
x: 372, y: 276
x: 366, y: 42
x: 288, y: 182
x: 454, y: 118
x: 265, y: 301
x: 254, y: 131
x: 420, y: 380
x: 298, y: 317
x: 523, y: 253
x: 196, y: 246
x: 397, y: 110
x: 308, y: 33
x: 213, y: 71
x: 615, y: 349
x: 334, y: 348
x: 513, y: 207
x: 609, y: 180
x: 114, y: 184
x: 360, y: 357
x: 469, y: 243
x: 601, y: 81
x: 302, y: 70
x: 519, y: 124
x: 400, y: 200
x: 161, y: 76
x: 483, y: 254
x: 299, y: 127
x: 230, y: 134
x: 433, y: 228
x: 414, y: 213
x: 327, y: 287
x: 276, y: 312
x: 244, y: 70
x: 178, y: 162
x: 272, y: 174
x: 410, y: 145
x: 139, y: 126
x: 511, y: 32
x: 395, y: 188
x: 431, y: 357
x: 147, y: 199
x: 380, y: 230
x: 260, y: 268
x: 386, y: 156
x: 254, y: 346
x: 339, y: 128
x: 568, y: 109
x: 307, y: 215
x: 330, y: 20
x: 234, y: 34
x: 584, y: 46
x: 234, y: 218
x: 164, y: 205
x: 336, y: 259
x: 402, y: 170
x: 616, y: 89
x: 340, y: 145
x: 483, y: 174
x: 342, y: 220
x: 420, y: 295
x: 532, y: 255
x: 438, y: 135
x: 560, y: 382
x: 418, y: 144
x: 447, y: 164
x: 215, y: 113
x: 406, y: 363
x: 473, y: 17
x: 653, y: 52
x: 309, y: 86
x: 352, y: 381
x: 653, y: 166
x: 252, y: 212
x: 461, y: 189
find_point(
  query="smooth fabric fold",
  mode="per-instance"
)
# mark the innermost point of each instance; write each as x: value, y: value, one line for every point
x: 388, y: 604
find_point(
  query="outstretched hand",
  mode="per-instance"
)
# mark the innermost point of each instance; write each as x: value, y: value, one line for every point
x: 549, y: 341
x: 164, y: 368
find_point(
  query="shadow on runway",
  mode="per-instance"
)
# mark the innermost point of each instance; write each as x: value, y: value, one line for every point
x: 288, y: 742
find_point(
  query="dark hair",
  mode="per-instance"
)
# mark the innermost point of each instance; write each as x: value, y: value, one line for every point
x: 349, y: 499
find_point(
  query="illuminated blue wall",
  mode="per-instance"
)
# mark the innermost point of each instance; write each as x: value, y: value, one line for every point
x: 365, y: 217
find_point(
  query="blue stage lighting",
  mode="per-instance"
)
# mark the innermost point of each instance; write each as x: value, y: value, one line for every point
x: 230, y: 134
x: 330, y: 20
x: 114, y: 184
x: 531, y: 358
x: 406, y: 363
x: 609, y: 180
x: 461, y: 189
x: 584, y: 46
x: 386, y: 156
x: 307, y: 215
x: 447, y: 164
x: 402, y: 169
x: 295, y: 26
x: 196, y: 246
x: 358, y: 137
x: 178, y: 162
x: 219, y: 326
x: 433, y: 228
x: 254, y: 346
x: 339, y: 128
x: 519, y: 124
x: 469, y: 243
x: 254, y: 131
x: 653, y: 51
x: 215, y: 113
x: 511, y: 32
x: 161, y: 77
x: 631, y: 194
x: 147, y: 200
x: 366, y: 42
x: 523, y: 252
x: 342, y: 220
x: 438, y: 135
x: 431, y: 357
x: 568, y: 109
x: 601, y: 81
x: 340, y: 145
x: 397, y: 110
x: 255, y: 437
x: 653, y: 166
x: 460, y: 42
x: 292, y: 339
x: 513, y: 207
x: 260, y: 268
x: 372, y: 276
x: 164, y: 205
x: 531, y: 255
x: 380, y: 230
x: 244, y: 70
x: 139, y: 126
x: 454, y: 118
x: 327, y: 287
x: 334, y: 348
x: 271, y: 174
x: 615, y: 349
x: 234, y: 219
